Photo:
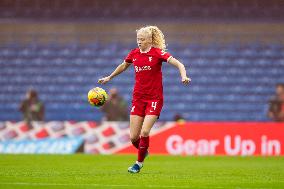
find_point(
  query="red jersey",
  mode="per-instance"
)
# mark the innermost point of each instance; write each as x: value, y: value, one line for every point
x: 148, y: 72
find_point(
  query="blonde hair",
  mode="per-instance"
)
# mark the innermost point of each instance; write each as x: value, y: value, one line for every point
x: 158, y: 38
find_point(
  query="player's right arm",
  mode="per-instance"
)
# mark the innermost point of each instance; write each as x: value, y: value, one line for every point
x: 119, y: 69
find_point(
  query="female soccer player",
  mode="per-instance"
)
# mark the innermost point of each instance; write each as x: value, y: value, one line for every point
x: 147, y: 101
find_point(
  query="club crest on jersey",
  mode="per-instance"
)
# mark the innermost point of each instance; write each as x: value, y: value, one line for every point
x: 134, y: 59
x: 150, y: 58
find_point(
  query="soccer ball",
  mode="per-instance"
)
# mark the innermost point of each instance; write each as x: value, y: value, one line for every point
x: 97, y: 96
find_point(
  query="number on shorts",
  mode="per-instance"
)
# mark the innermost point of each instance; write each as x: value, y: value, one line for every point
x: 154, y: 105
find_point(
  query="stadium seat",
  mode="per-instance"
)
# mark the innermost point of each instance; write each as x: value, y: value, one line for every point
x: 230, y: 82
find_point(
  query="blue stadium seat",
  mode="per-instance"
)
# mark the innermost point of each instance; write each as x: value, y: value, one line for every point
x: 230, y: 82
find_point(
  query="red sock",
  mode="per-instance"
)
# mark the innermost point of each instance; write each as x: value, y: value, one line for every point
x: 136, y: 143
x: 143, y: 147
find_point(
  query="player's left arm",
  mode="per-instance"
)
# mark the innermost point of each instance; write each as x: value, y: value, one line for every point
x: 182, y: 71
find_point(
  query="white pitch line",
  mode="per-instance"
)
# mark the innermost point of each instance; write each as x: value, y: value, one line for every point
x: 102, y: 185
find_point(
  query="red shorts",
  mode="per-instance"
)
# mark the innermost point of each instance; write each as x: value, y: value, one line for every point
x: 143, y: 107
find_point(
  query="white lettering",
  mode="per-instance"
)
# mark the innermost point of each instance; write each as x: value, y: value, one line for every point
x: 60, y: 146
x: 227, y: 145
x: 264, y: 145
x: 270, y: 147
x: 248, y: 148
x: 142, y: 68
x: 189, y: 147
x: 244, y: 148
x: 176, y: 145
x: 274, y: 147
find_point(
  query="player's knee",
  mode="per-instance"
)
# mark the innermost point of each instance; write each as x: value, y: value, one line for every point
x: 134, y: 138
x: 145, y: 133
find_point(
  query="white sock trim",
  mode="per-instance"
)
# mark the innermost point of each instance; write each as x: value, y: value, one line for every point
x: 139, y: 163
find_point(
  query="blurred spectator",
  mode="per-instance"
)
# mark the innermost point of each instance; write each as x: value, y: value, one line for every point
x: 276, y: 104
x: 178, y: 118
x: 115, y: 108
x: 32, y: 108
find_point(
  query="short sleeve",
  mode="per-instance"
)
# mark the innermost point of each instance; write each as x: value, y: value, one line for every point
x: 164, y: 56
x: 129, y: 57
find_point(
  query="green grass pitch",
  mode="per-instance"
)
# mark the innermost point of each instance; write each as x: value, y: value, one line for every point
x: 98, y: 171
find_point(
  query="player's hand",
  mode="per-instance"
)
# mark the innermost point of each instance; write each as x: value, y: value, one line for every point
x: 186, y: 80
x: 104, y: 80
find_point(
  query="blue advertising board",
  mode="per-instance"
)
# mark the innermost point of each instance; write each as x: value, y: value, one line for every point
x: 43, y: 146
